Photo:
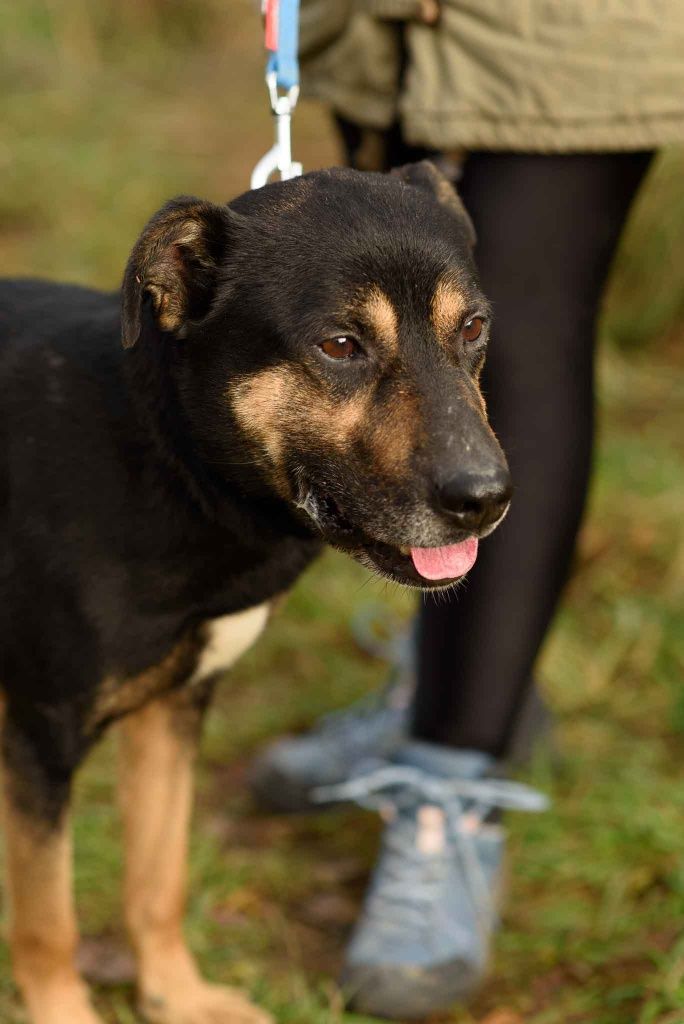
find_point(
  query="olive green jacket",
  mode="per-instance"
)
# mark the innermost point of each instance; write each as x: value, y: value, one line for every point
x: 525, y: 75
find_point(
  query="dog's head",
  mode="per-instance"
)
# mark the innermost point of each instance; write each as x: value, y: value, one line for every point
x: 327, y: 336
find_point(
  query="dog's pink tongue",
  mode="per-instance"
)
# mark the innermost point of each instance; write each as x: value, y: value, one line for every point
x: 445, y: 563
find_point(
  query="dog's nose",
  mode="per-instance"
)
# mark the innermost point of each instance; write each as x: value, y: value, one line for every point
x: 475, y: 500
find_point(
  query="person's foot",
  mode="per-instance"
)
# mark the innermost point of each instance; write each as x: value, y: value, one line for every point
x: 338, y: 747
x: 422, y: 941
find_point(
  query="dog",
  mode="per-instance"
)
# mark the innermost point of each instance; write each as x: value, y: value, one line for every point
x: 298, y: 368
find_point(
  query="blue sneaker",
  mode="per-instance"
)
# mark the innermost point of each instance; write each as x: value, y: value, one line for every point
x: 422, y: 941
x: 346, y: 742
x: 339, y: 746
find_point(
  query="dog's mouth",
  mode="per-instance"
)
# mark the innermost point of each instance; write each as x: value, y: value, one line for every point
x: 429, y: 568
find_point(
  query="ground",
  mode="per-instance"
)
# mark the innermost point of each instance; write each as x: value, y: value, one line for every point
x: 109, y: 109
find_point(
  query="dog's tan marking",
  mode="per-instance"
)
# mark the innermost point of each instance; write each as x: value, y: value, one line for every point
x: 336, y: 421
x: 280, y: 408
x: 382, y: 317
x: 118, y: 697
x: 199, y: 654
x: 448, y: 309
x: 227, y: 639
x: 394, y: 432
x: 156, y: 768
x: 42, y: 922
x: 261, y: 403
x: 472, y: 395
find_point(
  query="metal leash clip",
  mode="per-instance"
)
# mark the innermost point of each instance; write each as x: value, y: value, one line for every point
x: 279, y: 157
x: 282, y: 72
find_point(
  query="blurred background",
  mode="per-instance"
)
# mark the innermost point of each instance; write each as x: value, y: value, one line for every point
x: 107, y: 110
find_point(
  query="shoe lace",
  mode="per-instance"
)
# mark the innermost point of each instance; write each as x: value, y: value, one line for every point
x: 410, y: 882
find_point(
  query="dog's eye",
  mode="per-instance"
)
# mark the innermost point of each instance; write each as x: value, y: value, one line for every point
x: 340, y: 348
x: 472, y: 329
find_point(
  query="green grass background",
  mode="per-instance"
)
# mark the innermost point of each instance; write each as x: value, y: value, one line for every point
x: 107, y: 110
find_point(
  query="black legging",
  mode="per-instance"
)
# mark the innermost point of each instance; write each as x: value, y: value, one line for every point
x: 547, y: 229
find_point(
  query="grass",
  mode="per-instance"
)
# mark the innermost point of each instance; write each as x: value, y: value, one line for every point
x: 107, y: 110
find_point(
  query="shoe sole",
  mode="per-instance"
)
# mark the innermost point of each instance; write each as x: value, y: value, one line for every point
x: 408, y: 993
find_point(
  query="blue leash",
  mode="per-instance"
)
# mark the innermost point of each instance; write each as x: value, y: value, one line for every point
x: 282, y: 73
x: 282, y: 40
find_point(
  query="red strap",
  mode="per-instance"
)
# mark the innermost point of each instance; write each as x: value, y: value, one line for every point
x: 272, y: 25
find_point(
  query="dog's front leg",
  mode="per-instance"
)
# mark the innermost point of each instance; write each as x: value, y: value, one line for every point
x: 158, y: 747
x: 42, y: 922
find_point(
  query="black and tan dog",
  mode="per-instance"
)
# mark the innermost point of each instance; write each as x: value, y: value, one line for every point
x: 298, y: 367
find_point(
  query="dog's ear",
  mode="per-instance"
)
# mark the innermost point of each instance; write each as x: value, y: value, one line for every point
x: 176, y: 262
x: 428, y: 177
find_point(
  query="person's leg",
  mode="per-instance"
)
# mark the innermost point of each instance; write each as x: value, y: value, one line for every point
x: 547, y: 228
x: 368, y: 149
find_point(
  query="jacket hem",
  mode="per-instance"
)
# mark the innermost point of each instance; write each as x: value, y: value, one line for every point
x: 536, y: 135
x: 403, y: 10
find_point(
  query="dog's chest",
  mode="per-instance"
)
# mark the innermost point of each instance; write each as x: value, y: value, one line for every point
x: 227, y: 639
x: 199, y: 654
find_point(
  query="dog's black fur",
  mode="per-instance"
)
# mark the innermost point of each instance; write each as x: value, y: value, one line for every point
x: 115, y: 540
x: 147, y: 489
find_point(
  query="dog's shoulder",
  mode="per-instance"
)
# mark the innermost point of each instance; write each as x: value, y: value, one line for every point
x: 56, y: 343
x: 61, y: 377
x: 35, y: 311
x: 97, y: 512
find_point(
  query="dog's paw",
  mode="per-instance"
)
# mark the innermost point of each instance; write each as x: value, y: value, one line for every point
x: 202, y: 1004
